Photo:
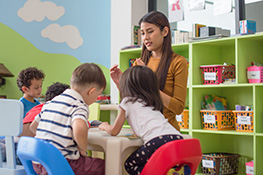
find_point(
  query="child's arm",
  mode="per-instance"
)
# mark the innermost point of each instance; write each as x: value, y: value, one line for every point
x: 116, y: 127
x: 80, y: 134
x: 33, y: 127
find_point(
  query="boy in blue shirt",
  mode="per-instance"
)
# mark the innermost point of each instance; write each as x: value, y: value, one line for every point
x: 30, y: 82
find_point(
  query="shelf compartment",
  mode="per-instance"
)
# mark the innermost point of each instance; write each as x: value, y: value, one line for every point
x: 237, y: 144
x: 211, y: 53
x: 249, y: 49
x: 234, y: 95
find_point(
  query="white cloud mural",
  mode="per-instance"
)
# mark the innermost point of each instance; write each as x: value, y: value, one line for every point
x: 37, y: 10
x: 68, y: 34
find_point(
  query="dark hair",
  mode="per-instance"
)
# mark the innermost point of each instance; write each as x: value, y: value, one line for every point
x: 161, y: 21
x: 54, y: 90
x: 140, y: 83
x: 86, y: 74
x: 25, y: 76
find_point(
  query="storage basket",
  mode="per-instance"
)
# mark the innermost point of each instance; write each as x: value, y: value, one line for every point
x: 216, y: 74
x: 244, y: 121
x: 255, y: 74
x: 218, y: 120
x: 183, y: 119
x: 220, y: 163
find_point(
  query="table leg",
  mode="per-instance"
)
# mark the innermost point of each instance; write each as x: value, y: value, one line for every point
x: 113, y: 164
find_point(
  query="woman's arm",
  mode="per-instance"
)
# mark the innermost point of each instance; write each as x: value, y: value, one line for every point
x: 116, y: 127
x: 176, y: 100
x: 80, y: 134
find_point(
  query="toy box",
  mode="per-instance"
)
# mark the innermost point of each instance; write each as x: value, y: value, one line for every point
x: 250, y: 167
x: 247, y: 27
x: 255, y: 74
x: 244, y: 121
x: 217, y: 120
x: 183, y: 119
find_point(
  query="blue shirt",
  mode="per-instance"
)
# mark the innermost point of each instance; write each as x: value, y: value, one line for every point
x: 28, y: 105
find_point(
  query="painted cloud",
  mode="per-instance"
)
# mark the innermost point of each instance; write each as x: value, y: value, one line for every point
x: 37, y: 10
x: 68, y: 33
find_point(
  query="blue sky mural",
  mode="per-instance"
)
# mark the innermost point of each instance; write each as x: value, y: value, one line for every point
x: 78, y: 28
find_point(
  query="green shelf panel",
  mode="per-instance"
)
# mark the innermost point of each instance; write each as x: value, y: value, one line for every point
x: 259, y: 155
x: 226, y: 132
x: 258, y: 109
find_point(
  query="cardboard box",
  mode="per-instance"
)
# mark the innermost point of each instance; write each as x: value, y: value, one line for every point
x: 247, y: 27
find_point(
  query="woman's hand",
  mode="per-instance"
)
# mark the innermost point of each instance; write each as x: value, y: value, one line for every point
x: 115, y: 74
x: 140, y: 62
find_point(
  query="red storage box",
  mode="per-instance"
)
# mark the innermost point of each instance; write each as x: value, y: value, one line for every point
x: 216, y: 74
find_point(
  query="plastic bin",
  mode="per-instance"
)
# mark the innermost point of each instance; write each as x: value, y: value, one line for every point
x: 220, y: 163
x: 244, y: 121
x: 255, y: 74
x: 218, y: 120
x: 216, y: 74
x: 183, y: 119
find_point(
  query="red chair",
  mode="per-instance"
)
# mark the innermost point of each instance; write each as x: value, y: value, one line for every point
x: 179, y: 152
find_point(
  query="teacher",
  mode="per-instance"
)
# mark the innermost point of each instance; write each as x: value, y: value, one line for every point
x: 170, y: 68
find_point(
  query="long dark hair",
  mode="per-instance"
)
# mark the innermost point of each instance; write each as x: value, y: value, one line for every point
x: 161, y: 21
x: 140, y: 83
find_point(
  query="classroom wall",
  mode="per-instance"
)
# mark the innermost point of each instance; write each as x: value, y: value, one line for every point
x: 55, y: 36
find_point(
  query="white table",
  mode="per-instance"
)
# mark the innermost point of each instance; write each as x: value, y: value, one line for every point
x: 113, y: 108
x: 116, y: 148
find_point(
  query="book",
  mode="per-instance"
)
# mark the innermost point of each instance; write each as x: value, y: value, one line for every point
x: 136, y: 35
x: 95, y: 123
x: 196, y: 29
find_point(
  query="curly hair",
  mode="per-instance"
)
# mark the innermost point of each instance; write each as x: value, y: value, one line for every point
x: 25, y: 76
x: 54, y: 90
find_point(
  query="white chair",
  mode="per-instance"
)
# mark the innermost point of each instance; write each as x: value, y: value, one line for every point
x: 11, y: 117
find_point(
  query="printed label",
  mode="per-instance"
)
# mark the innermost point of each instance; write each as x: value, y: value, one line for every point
x: 249, y: 170
x: 253, y: 74
x: 209, y: 119
x: 243, y: 120
x: 208, y: 163
x: 179, y: 118
x: 210, y: 76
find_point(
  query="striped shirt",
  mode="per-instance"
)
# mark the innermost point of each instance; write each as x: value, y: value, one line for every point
x: 55, y: 121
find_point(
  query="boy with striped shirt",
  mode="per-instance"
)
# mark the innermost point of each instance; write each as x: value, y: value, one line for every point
x: 63, y: 121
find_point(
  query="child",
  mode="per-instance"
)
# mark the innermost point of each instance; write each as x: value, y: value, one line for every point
x: 142, y: 106
x: 30, y: 82
x: 63, y: 121
x: 52, y: 91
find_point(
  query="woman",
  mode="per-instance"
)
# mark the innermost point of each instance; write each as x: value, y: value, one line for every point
x: 170, y: 68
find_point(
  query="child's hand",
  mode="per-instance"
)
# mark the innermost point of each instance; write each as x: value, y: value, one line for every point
x: 83, y: 152
x: 140, y: 62
x: 103, y: 126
